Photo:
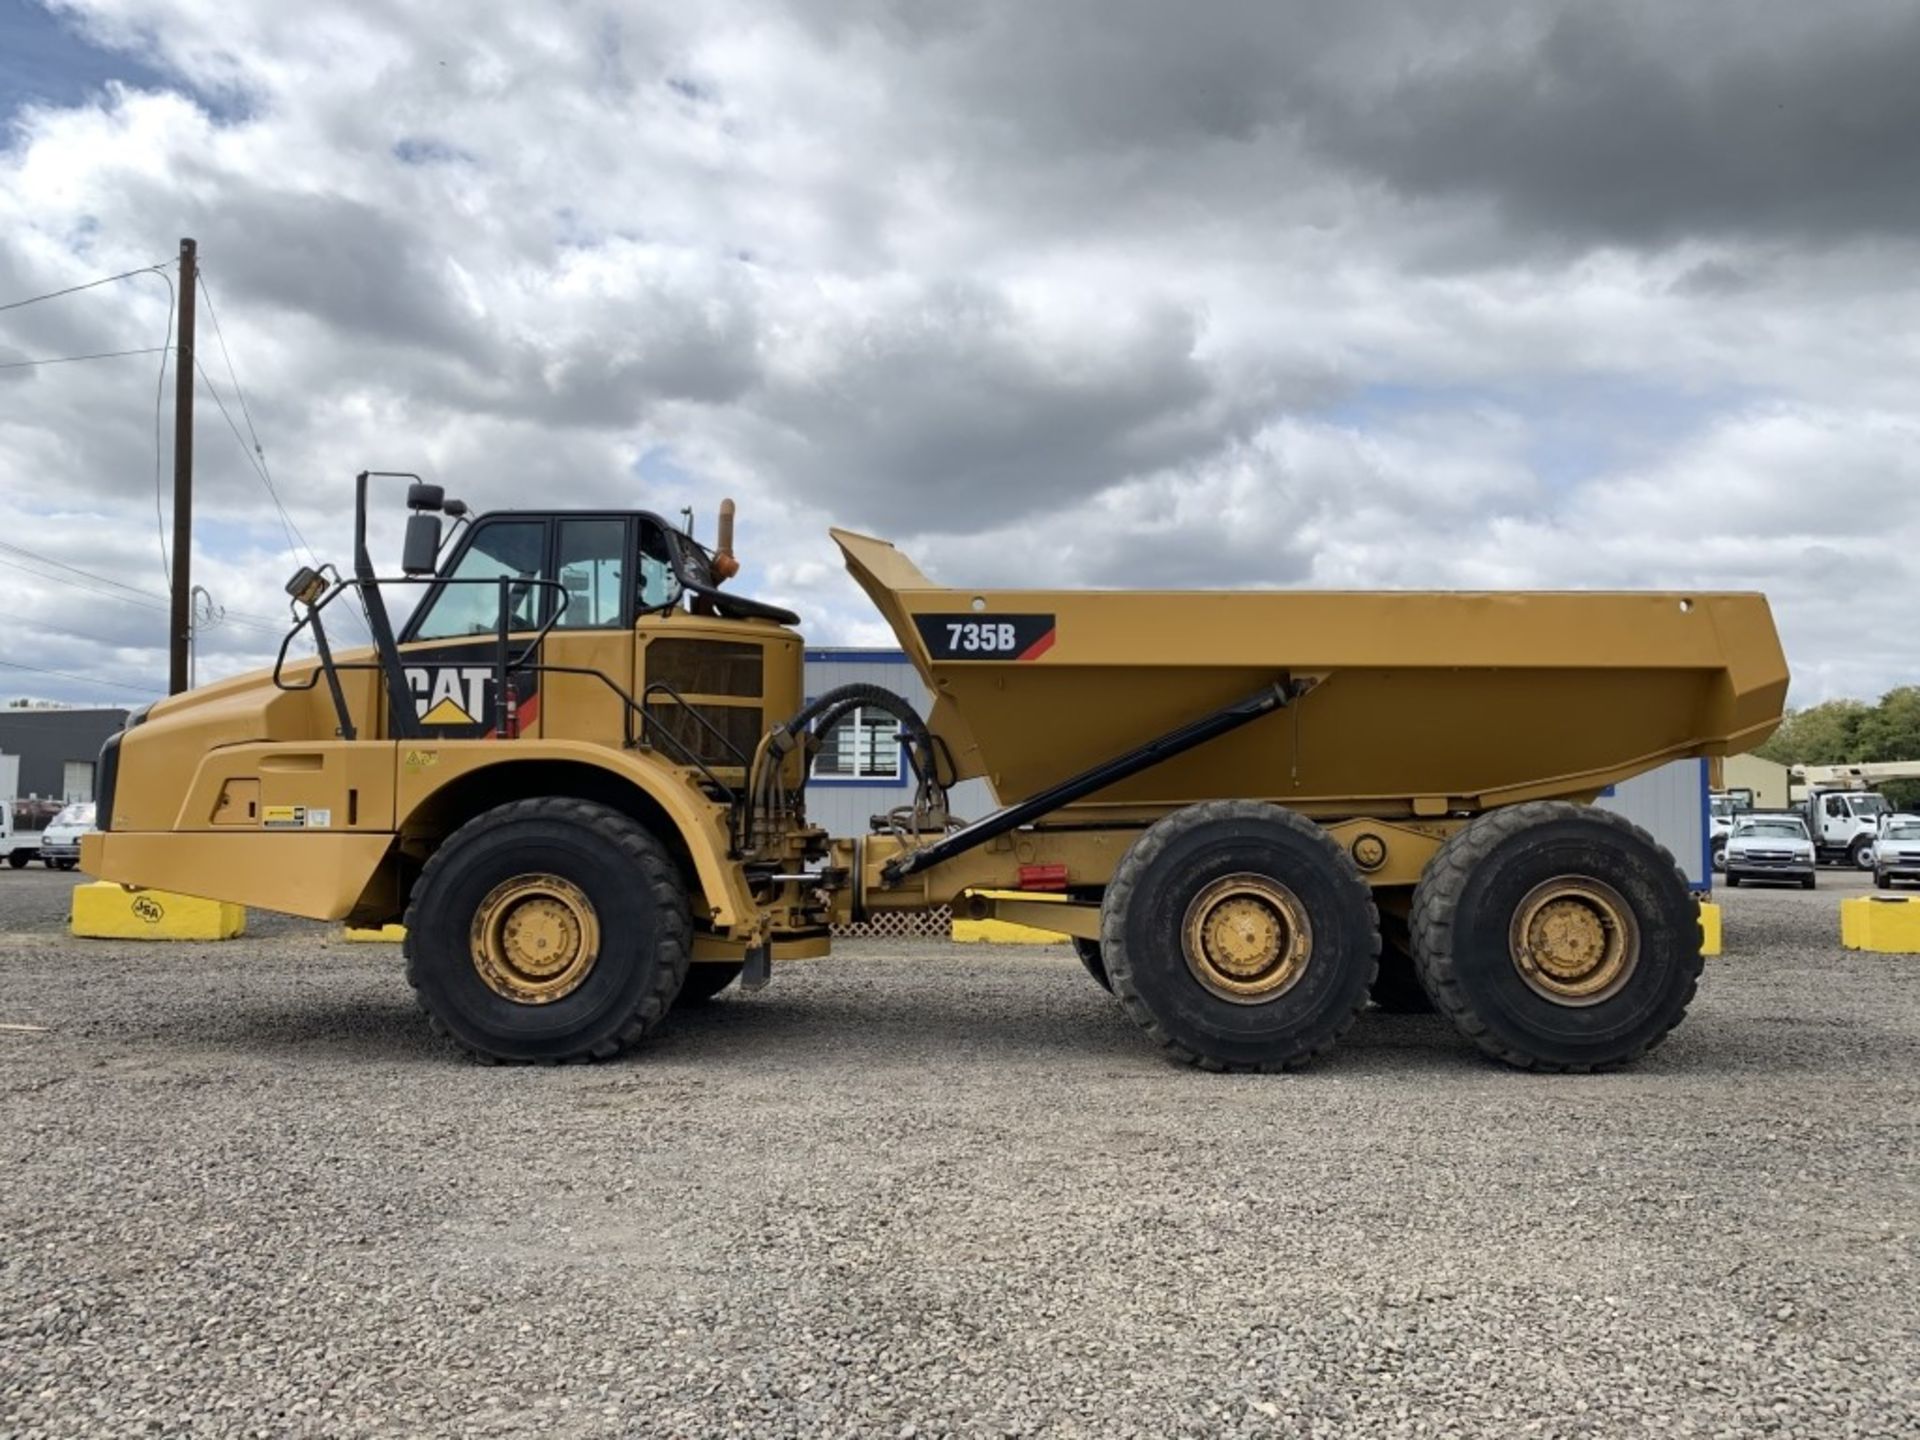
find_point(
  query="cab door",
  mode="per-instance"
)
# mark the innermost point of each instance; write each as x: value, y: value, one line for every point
x: 572, y: 569
x: 450, y: 648
x: 594, y: 560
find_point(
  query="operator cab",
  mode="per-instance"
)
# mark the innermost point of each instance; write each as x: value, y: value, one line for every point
x: 612, y: 567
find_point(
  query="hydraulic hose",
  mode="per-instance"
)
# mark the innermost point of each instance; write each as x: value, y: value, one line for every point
x: 823, y: 711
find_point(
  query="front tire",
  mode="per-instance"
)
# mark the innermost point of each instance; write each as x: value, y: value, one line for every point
x: 20, y: 859
x: 1240, y: 936
x: 548, y: 930
x: 1557, y: 937
x: 1860, y: 853
x: 1882, y: 880
x: 1733, y: 881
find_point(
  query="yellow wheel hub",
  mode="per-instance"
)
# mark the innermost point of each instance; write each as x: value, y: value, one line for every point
x: 1247, y: 939
x: 535, y: 938
x: 1574, y: 940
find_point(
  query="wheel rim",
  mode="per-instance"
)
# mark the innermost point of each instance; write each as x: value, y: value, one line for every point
x: 1574, y: 940
x: 1247, y: 939
x: 535, y: 939
x: 1863, y: 857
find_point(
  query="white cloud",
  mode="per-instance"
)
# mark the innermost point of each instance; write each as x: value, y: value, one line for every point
x: 1090, y: 293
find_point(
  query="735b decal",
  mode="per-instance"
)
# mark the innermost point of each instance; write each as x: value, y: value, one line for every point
x: 985, y: 637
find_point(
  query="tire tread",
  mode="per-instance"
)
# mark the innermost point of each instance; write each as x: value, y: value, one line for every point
x: 1139, y: 859
x: 653, y: 869
x: 1439, y: 891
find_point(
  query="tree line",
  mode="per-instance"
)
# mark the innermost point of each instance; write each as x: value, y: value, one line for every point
x: 1852, y: 732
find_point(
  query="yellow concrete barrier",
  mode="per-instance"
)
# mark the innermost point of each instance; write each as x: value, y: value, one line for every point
x: 1889, y: 924
x: 1002, y: 932
x: 1709, y: 928
x: 105, y: 911
x: 378, y: 935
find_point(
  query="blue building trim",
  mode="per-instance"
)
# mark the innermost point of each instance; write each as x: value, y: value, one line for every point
x: 859, y: 657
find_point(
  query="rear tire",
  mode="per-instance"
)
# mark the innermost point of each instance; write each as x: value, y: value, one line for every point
x: 1240, y: 936
x: 706, y: 980
x: 1557, y: 937
x: 19, y: 859
x: 548, y: 930
x: 1094, y: 961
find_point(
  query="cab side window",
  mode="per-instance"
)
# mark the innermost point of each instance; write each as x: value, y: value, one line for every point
x: 592, y: 563
x: 515, y: 549
x: 1836, y: 807
x: 659, y: 587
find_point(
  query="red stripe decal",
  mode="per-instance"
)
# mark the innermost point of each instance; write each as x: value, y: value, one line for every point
x: 1038, y: 648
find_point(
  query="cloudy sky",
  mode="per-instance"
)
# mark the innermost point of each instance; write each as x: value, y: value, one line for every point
x: 1458, y: 293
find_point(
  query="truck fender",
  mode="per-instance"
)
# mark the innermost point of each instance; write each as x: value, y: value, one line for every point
x: 698, y: 825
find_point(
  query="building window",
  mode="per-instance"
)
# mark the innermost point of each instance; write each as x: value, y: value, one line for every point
x: 862, y: 745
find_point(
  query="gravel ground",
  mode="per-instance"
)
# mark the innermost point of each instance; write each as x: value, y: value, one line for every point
x: 931, y: 1189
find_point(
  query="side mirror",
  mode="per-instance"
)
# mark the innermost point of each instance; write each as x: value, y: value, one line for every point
x: 421, y: 553
x: 422, y: 496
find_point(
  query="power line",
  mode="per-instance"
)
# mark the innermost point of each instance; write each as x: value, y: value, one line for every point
x: 74, y: 359
x: 259, y: 451
x: 258, y: 463
x: 93, y: 584
x: 35, y: 555
x: 78, y: 679
x: 257, y: 455
x: 76, y: 289
x: 82, y: 585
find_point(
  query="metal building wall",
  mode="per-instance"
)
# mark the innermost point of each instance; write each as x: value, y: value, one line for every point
x: 844, y: 807
x: 47, y: 740
x: 1670, y: 804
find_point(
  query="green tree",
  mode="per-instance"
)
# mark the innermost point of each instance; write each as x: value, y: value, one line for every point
x: 1823, y: 734
x: 1891, y: 730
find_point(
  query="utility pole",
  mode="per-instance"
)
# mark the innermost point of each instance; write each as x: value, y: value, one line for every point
x: 181, y: 625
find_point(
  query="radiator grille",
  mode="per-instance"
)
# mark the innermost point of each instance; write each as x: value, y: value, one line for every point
x: 707, y: 667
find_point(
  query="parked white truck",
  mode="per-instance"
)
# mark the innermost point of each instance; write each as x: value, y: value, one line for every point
x: 1843, y: 824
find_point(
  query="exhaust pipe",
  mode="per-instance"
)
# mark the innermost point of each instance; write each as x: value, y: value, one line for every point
x: 725, y: 565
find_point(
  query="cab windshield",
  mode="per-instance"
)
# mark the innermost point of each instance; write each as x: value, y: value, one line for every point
x: 76, y: 814
x: 1904, y: 830
x: 1869, y: 805
x: 1772, y: 829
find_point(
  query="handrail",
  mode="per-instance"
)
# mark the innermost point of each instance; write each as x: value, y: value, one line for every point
x: 400, y: 718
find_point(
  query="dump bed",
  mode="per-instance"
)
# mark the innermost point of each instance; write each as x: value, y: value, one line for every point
x: 1414, y: 703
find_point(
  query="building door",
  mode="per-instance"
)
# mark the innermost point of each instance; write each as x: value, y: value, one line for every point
x: 76, y: 780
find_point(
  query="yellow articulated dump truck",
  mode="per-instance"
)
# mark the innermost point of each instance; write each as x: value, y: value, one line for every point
x: 578, y: 773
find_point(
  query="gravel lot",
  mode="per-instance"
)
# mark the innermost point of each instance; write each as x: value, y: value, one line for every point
x: 931, y: 1189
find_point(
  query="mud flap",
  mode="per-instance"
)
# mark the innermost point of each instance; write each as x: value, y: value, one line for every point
x: 758, y: 969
